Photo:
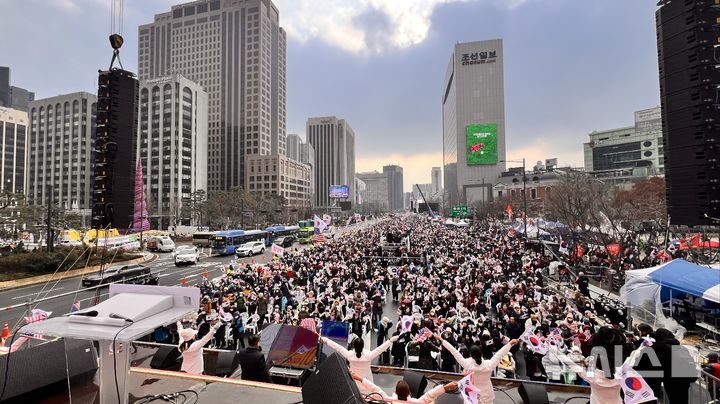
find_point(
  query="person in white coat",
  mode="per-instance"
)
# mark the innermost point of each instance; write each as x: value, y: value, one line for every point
x: 192, y: 350
x: 360, y: 358
x: 402, y: 390
x: 482, y: 369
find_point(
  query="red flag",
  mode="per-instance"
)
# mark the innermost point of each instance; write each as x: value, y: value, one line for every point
x: 580, y: 251
x: 509, y: 210
x: 695, y: 241
x: 614, y: 249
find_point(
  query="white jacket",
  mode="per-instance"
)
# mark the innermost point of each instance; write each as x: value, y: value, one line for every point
x: 193, y: 356
x: 362, y: 364
x: 482, y: 371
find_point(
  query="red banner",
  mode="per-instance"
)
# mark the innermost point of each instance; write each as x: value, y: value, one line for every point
x: 614, y: 249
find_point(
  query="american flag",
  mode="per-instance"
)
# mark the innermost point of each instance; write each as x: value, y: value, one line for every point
x: 423, y: 335
x: 75, y: 307
x: 37, y: 315
x: 309, y: 324
x: 319, y: 238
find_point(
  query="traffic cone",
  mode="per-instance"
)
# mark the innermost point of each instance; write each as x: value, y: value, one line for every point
x: 205, y: 274
x: 184, y: 281
x: 5, y: 331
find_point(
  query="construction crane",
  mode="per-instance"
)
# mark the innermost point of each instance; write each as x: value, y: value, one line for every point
x: 116, y: 25
x: 432, y: 214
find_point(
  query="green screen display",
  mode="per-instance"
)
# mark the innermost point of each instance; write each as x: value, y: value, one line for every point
x: 481, y: 144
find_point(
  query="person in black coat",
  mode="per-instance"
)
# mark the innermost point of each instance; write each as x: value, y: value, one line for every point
x: 252, y: 362
x: 448, y: 360
x: 676, y: 365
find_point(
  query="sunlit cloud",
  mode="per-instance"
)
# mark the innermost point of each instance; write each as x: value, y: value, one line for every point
x: 362, y: 26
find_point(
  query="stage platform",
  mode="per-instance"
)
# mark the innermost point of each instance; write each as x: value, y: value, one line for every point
x: 144, y: 381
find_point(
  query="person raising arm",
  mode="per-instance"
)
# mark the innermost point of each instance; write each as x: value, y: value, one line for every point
x: 360, y: 359
x: 482, y: 369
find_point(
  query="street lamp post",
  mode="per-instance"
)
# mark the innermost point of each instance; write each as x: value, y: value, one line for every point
x: 524, y: 181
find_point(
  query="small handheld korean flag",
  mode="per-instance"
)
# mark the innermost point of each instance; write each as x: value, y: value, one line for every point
x: 470, y: 393
x: 534, y: 342
x: 406, y: 324
x: 635, y: 388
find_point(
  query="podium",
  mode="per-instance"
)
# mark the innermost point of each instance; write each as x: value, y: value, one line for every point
x: 131, y: 312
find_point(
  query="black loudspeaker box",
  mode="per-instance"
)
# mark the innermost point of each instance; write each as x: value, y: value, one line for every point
x: 166, y: 358
x: 331, y: 383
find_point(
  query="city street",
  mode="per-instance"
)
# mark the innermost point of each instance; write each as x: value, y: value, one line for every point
x: 70, y: 290
x: 163, y: 266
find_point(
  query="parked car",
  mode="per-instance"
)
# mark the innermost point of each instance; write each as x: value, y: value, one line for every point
x: 285, y: 241
x: 186, y: 254
x: 161, y: 243
x: 251, y: 248
x: 130, y: 273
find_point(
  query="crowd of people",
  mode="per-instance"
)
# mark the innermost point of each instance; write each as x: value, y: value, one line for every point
x: 474, y: 290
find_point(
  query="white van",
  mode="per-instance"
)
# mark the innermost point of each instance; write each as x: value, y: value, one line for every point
x: 161, y: 243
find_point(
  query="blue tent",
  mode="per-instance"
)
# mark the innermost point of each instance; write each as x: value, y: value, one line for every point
x: 682, y: 276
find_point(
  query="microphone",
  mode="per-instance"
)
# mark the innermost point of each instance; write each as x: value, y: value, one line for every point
x: 118, y: 316
x: 91, y: 313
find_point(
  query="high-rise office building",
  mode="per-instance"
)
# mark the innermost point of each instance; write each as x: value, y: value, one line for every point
x: 11, y: 96
x: 436, y: 179
x: 307, y: 157
x: 473, y: 111
x: 13, y: 135
x: 687, y: 43
x: 60, y: 150
x: 236, y: 50
x: 292, y: 147
x: 334, y: 142
x: 278, y: 174
x: 394, y: 176
x: 172, y: 145
x: 375, y: 196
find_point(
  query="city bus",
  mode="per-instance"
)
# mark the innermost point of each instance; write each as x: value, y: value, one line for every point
x: 306, y: 231
x: 279, y: 231
x: 226, y: 242
x: 203, y: 238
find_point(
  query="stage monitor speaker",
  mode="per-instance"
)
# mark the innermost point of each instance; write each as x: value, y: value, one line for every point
x: 40, y: 366
x: 533, y: 393
x: 417, y: 382
x: 166, y: 358
x: 226, y: 363
x: 331, y: 383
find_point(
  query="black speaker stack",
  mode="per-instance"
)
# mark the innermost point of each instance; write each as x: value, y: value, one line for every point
x: 688, y: 38
x: 115, y: 154
x: 331, y: 383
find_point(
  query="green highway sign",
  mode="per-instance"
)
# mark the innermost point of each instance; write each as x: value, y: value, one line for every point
x: 459, y: 211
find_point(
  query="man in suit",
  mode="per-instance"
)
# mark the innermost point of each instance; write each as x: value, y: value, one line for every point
x: 252, y: 362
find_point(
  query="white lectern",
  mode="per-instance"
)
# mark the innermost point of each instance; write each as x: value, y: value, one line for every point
x: 149, y: 307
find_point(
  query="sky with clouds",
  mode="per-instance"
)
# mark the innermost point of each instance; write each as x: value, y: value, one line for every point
x: 571, y: 66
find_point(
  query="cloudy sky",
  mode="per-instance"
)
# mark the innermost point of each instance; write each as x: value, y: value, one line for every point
x: 571, y: 66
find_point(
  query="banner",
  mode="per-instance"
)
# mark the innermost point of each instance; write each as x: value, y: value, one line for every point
x: 481, y: 142
x: 406, y: 324
x: 277, y: 250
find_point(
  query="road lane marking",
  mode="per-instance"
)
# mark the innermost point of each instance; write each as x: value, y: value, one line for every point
x: 46, y: 292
